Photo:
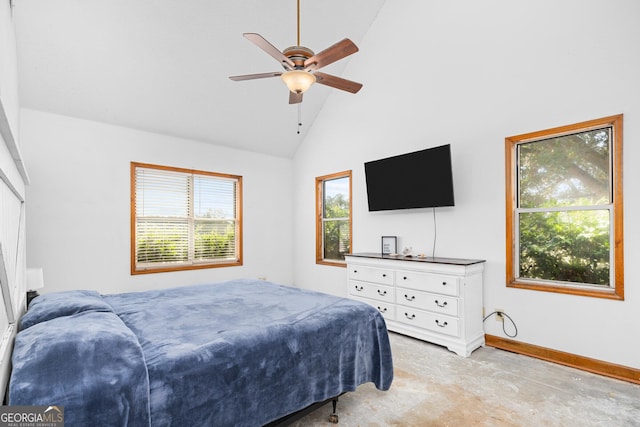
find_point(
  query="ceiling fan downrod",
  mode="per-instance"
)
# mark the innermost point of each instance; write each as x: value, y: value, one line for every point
x: 299, y: 23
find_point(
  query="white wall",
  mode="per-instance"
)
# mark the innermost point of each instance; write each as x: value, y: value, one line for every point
x: 78, y: 211
x: 471, y: 73
x: 8, y: 67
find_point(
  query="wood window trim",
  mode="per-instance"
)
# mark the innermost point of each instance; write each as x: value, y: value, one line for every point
x: 132, y: 210
x: 319, y: 204
x: 616, y: 292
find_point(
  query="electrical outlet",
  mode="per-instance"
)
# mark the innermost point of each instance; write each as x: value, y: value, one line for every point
x: 499, y: 315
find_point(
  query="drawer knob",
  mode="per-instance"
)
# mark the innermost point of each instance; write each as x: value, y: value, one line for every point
x: 355, y: 271
x: 413, y: 316
x: 382, y: 293
x: 404, y: 278
x: 409, y: 298
x: 444, y: 283
x: 444, y: 304
x: 384, y: 275
x: 442, y: 325
x: 382, y: 310
x: 359, y: 288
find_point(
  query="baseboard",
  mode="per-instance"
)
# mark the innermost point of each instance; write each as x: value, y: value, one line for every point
x: 612, y: 370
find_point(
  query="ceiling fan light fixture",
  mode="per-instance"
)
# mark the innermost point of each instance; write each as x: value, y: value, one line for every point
x: 298, y: 81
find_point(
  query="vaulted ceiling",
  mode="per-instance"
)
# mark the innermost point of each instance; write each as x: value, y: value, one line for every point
x: 163, y: 65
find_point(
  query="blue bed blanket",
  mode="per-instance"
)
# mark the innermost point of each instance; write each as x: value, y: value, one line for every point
x: 88, y: 362
x: 237, y: 353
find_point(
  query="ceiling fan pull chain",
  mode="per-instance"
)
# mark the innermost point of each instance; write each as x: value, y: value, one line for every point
x: 299, y: 117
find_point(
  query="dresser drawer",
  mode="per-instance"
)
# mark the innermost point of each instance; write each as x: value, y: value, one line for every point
x: 371, y: 274
x: 434, y: 322
x: 372, y: 291
x: 438, y: 283
x: 427, y: 301
x: 387, y: 310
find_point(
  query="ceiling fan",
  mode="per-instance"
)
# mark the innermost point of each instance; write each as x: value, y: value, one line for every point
x: 301, y: 65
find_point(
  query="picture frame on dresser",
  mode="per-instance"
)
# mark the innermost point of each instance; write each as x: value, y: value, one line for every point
x: 389, y: 245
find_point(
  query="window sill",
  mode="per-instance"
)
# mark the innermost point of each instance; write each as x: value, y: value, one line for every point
x: 609, y: 293
x: 336, y: 263
x: 148, y: 270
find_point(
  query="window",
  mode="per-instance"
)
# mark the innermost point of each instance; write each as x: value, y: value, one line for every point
x: 564, y: 209
x: 183, y: 219
x: 333, y: 218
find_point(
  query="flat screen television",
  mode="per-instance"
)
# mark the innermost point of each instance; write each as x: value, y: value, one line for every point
x: 422, y: 179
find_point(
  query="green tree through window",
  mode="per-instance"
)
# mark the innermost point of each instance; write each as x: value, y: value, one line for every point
x: 564, y: 209
x: 564, y: 195
x: 333, y: 210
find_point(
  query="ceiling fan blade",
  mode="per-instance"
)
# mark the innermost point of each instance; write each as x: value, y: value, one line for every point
x: 254, y: 76
x: 263, y: 44
x: 295, y: 98
x: 337, y: 82
x: 331, y: 54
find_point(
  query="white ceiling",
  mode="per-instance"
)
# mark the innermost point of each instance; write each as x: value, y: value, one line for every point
x: 163, y: 65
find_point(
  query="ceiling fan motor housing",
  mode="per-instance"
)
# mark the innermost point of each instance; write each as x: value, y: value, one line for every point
x: 297, y: 55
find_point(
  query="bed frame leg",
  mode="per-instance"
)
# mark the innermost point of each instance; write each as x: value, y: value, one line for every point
x: 334, y: 417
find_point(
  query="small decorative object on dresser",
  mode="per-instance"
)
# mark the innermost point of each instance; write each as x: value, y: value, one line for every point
x: 433, y: 299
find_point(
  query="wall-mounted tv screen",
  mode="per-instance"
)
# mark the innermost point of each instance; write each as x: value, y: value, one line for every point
x: 422, y: 179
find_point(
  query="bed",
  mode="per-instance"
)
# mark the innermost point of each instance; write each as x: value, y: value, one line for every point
x: 235, y: 353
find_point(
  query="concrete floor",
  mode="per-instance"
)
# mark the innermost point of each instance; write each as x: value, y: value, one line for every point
x: 492, y: 388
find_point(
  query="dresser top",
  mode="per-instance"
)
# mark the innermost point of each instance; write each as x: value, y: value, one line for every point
x: 436, y: 260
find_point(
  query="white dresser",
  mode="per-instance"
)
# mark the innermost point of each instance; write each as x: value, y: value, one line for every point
x: 433, y: 299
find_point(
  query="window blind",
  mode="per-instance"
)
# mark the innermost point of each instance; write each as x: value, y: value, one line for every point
x: 184, y: 218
